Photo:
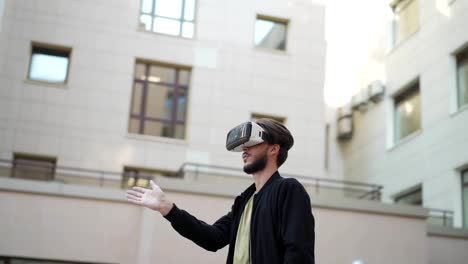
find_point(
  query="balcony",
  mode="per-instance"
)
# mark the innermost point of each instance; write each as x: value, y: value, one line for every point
x: 187, y: 174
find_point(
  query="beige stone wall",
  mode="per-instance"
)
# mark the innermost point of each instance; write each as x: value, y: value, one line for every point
x: 70, y: 228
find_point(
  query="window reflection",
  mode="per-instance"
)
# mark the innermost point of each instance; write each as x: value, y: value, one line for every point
x: 270, y: 34
x: 170, y: 17
x: 49, y: 64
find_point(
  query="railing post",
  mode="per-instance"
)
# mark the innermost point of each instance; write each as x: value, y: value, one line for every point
x: 101, y: 180
x: 443, y: 217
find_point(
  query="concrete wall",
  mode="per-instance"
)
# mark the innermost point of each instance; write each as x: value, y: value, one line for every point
x: 56, y: 221
x: 433, y: 155
x: 85, y: 122
x: 443, y: 247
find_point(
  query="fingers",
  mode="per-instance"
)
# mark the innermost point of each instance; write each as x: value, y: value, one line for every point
x: 134, y: 194
x: 139, y: 189
x: 133, y: 200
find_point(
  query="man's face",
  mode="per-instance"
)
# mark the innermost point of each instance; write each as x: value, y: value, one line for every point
x: 255, y: 158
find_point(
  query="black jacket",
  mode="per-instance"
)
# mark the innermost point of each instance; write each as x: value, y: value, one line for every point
x: 282, y: 224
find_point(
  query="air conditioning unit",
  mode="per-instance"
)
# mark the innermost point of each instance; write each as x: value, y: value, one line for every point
x: 345, y: 122
x: 359, y: 101
x: 376, y: 91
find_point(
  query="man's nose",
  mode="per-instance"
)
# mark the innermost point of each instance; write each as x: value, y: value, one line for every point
x: 245, y: 148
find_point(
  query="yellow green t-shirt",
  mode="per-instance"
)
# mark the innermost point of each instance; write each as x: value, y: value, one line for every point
x: 242, y: 248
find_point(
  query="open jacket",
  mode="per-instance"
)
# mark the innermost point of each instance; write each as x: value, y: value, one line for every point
x: 282, y: 224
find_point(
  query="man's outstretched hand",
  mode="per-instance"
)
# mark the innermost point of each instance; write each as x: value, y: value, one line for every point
x: 153, y: 198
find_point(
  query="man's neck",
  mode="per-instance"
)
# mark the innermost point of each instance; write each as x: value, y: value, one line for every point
x: 261, y: 177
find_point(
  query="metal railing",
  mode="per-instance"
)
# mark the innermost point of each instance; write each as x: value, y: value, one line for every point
x: 315, y: 185
x: 190, y: 172
x: 440, y: 217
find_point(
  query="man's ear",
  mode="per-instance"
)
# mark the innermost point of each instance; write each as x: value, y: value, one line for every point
x: 274, y: 149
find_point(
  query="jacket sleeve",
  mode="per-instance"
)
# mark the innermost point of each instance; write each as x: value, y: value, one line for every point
x: 296, y: 223
x: 209, y: 237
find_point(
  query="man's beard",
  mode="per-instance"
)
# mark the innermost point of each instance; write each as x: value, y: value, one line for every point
x: 257, y: 165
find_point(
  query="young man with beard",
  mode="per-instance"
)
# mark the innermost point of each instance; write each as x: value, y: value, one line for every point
x: 270, y: 222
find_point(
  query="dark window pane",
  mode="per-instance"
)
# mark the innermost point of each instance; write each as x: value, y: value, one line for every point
x: 180, y: 131
x: 161, y: 74
x: 134, y: 126
x: 407, y: 113
x: 413, y: 197
x: 181, y: 105
x: 184, y: 77
x: 137, y: 98
x: 159, y: 129
x: 462, y: 81
x: 159, y: 101
x: 270, y: 34
x: 33, y: 168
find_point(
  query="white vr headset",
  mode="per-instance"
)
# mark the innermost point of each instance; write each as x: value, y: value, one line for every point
x: 245, y: 135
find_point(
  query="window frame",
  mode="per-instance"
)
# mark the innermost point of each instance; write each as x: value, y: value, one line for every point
x: 394, y: 5
x: 464, y: 185
x: 461, y: 59
x: 409, y: 90
x: 181, y: 20
x: 53, y: 48
x: 277, y: 20
x: 173, y: 120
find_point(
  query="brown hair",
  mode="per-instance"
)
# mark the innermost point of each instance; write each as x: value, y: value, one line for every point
x: 277, y: 133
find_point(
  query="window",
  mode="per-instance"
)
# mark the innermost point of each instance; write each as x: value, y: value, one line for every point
x: 407, y: 111
x: 159, y: 101
x: 412, y: 196
x: 462, y: 77
x: 49, y: 63
x: 33, y: 167
x: 141, y: 177
x: 270, y: 33
x: 406, y: 19
x: 465, y: 197
x: 171, y: 17
x: 255, y: 116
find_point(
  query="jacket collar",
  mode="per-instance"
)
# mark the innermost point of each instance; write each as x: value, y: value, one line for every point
x: 249, y: 191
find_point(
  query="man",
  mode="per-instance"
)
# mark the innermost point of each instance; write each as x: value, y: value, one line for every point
x: 270, y: 222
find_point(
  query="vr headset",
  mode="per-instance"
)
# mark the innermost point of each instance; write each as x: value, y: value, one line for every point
x: 245, y: 135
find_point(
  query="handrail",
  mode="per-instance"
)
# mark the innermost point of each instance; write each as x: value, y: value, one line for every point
x: 358, y: 190
x: 445, y: 215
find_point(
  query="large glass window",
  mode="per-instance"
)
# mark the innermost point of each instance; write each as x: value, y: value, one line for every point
x: 49, y: 63
x: 465, y: 197
x: 407, y: 112
x: 271, y: 33
x: 406, y: 19
x: 159, y: 101
x: 462, y: 77
x: 171, y: 17
x: 33, y: 167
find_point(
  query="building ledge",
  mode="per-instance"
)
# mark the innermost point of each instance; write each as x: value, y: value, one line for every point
x: 207, y: 189
x: 445, y: 231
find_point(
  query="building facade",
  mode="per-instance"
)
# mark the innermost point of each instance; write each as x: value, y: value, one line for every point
x: 413, y: 141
